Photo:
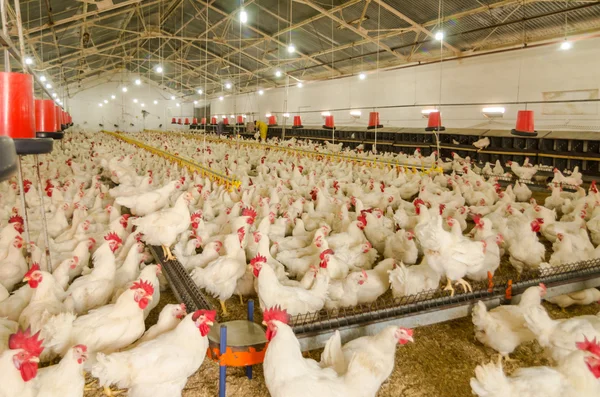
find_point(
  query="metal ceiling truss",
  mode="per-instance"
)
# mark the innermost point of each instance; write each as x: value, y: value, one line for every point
x: 87, y: 54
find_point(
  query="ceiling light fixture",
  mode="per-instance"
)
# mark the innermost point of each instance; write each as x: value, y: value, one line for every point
x: 566, y: 45
x: 28, y: 61
x: 48, y: 86
x: 260, y: 92
x: 355, y: 113
x: 286, y: 115
x: 112, y: 97
x: 200, y: 91
x: 105, y: 101
x: 124, y: 89
x: 300, y: 85
x: 142, y: 105
x: 325, y: 114
x: 155, y: 102
x: 195, y: 102
x: 172, y: 97
x: 362, y: 76
x: 291, y: 48
x: 42, y: 78
x: 278, y: 73
x: 228, y: 86
x: 243, y: 16
x: 177, y: 104
x: 159, y: 69
x: 135, y: 100
x: 54, y: 95
x: 493, y: 112
x: 439, y: 36
x: 138, y: 81
x: 221, y: 98
x: 98, y: 104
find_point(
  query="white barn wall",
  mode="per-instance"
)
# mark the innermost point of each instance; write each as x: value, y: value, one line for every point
x: 496, y: 79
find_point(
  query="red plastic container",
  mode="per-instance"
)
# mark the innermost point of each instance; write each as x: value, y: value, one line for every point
x: 213, y: 120
x: 173, y: 120
x: 187, y: 121
x: 525, y: 125
x: 272, y: 121
x: 226, y: 121
x: 435, y: 122
x: 297, y: 122
x: 329, y: 122
x: 374, y: 121
x: 17, y: 111
x: 45, y: 116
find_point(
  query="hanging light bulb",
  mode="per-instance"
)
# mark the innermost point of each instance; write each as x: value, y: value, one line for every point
x: 439, y: 36
x: 195, y: 102
x: 98, y: 104
x: 228, y: 86
x: 54, y: 95
x: 362, y: 76
x: 200, y: 91
x: 48, y: 86
x: 42, y: 78
x: 221, y: 98
x: 138, y: 81
x: 112, y: 97
x: 28, y: 61
x: 291, y: 48
x: 135, y: 100
x: 278, y: 73
x: 142, y: 105
x: 566, y: 45
x: 260, y: 92
x: 159, y: 69
x: 172, y: 97
x: 177, y: 104
x: 300, y: 85
x: 124, y: 89
x: 155, y: 102
x: 243, y: 16
x: 105, y: 101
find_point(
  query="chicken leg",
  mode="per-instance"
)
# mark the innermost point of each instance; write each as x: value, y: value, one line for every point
x: 168, y: 256
x: 466, y: 286
x: 449, y: 287
x: 110, y: 392
x: 242, y: 299
x: 225, y: 313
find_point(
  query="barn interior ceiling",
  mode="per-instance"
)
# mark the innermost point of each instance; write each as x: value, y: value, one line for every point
x: 204, y: 45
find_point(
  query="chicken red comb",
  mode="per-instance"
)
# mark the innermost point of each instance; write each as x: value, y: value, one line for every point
x: 24, y: 340
x: 145, y: 285
x: 543, y: 287
x: 125, y: 216
x: 92, y: 240
x: 196, y: 215
x: 276, y: 313
x: 362, y: 218
x: 364, y: 273
x: 114, y: 237
x: 82, y: 347
x: 418, y: 202
x: 34, y: 268
x: 328, y: 251
x: 258, y: 259
x: 477, y: 220
x: 138, y: 237
x: 592, y: 346
x: 210, y: 315
x: 27, y: 182
x: 15, y: 219
x: 249, y: 212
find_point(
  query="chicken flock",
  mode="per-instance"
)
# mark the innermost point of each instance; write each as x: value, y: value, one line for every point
x: 300, y: 234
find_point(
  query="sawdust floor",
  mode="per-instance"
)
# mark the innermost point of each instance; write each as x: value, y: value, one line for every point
x: 440, y: 363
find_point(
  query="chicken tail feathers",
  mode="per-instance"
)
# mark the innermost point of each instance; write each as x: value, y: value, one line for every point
x: 110, y: 370
x: 57, y: 332
x: 539, y: 322
x: 332, y: 356
x: 479, y: 315
x: 490, y: 381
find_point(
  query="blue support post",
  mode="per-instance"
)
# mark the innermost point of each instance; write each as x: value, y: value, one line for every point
x: 222, y: 367
x: 251, y: 319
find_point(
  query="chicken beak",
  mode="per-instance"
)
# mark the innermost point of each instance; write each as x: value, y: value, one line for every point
x: 209, y: 323
x: 410, y: 338
x: 26, y: 279
x: 264, y: 323
x: 34, y: 359
x: 149, y: 297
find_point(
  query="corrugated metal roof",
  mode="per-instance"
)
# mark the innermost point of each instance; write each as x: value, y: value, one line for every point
x: 486, y: 29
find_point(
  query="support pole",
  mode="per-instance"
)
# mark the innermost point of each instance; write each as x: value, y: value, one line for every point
x: 251, y: 319
x: 222, y: 367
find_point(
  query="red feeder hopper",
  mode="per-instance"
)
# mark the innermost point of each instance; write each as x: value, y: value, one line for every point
x: 45, y: 120
x: 297, y: 122
x: 240, y: 120
x: 435, y: 122
x: 225, y: 121
x: 213, y: 120
x: 329, y: 122
x: 524, y: 124
x: 173, y: 120
x: 272, y: 121
x: 179, y: 121
x: 374, y: 121
x: 187, y: 121
x: 17, y: 114
x: 203, y: 121
x: 64, y: 120
x: 58, y: 112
